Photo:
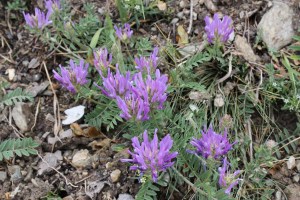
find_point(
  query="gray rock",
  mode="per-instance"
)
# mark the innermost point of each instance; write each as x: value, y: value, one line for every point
x: 34, y: 63
x: 210, y: 5
x: 125, y: 197
x: 115, y: 175
x: 36, y: 89
x: 36, y: 77
x: 25, y: 63
x: 174, y: 21
x: 296, y: 178
x: 180, y: 15
x: 15, y: 173
x: 275, y: 27
x: 291, y: 163
x: 52, y: 160
x: 22, y: 116
x: 244, y: 48
x: 292, y: 192
x: 298, y: 165
x: 82, y: 158
x: 278, y: 195
x: 3, y: 176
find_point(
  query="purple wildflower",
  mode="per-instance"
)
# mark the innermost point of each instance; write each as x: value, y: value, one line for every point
x: 212, y: 144
x: 149, y: 64
x: 124, y: 34
x: 39, y: 20
x: 52, y: 5
x: 70, y: 79
x: 133, y: 106
x: 102, y: 59
x: 148, y: 158
x: 152, y: 89
x: 116, y: 85
x: 218, y: 30
x: 226, y: 179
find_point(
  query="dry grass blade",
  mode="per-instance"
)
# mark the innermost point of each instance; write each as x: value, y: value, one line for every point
x: 57, y: 122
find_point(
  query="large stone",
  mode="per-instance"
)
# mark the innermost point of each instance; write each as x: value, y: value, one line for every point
x: 276, y: 26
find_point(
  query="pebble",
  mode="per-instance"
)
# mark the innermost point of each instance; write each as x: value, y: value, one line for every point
x: 291, y: 163
x: 36, y: 89
x: 219, y: 101
x: 194, y: 16
x: 85, y: 173
x: 15, y: 173
x: 182, y: 4
x: 180, y: 15
x: 115, y: 175
x: 22, y: 116
x: 276, y: 26
x: 82, y: 158
x: 52, y: 160
x: 298, y: 165
x: 25, y: 63
x: 36, y: 77
x: 174, y: 21
x: 154, y: 29
x: 125, y: 197
x: 210, y: 5
x: 278, y: 195
x: 68, y: 198
x: 296, y: 178
x: 292, y: 192
x: 109, y: 165
x: 3, y: 176
x: 186, y: 11
x: 34, y: 63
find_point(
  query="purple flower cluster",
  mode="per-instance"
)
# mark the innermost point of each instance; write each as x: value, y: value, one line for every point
x: 116, y: 85
x: 102, y: 59
x: 149, y: 157
x: 42, y: 19
x: 218, y: 30
x: 52, y: 5
x: 212, y: 144
x: 123, y: 34
x: 38, y: 20
x: 149, y: 64
x: 226, y: 179
x: 136, y: 95
x: 73, y: 77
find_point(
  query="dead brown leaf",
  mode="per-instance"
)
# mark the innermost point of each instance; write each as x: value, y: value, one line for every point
x: 183, y: 36
x: 76, y: 129
x: 100, y: 144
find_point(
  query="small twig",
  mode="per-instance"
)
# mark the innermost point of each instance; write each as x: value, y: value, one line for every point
x: 190, y: 183
x: 66, y: 179
x: 260, y: 83
x: 250, y: 137
x: 84, y: 179
x: 298, y: 138
x: 191, y: 17
x: 228, y: 73
x: 57, y: 122
x: 36, y: 114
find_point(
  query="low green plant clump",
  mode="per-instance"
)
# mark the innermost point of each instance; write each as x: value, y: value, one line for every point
x: 200, y: 109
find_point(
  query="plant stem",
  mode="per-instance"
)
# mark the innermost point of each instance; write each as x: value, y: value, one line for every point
x: 191, y: 184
